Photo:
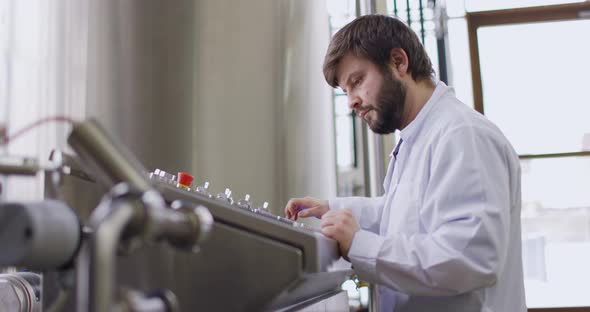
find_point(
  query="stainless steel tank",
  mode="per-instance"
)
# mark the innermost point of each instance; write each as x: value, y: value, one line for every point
x: 230, y: 91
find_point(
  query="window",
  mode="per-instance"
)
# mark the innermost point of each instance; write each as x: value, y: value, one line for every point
x: 341, y: 13
x: 534, y: 89
x: 529, y: 68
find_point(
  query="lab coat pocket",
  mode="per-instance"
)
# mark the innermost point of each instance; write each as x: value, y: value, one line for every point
x: 404, y: 215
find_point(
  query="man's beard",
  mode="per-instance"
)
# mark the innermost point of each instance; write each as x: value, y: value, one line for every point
x: 389, y: 108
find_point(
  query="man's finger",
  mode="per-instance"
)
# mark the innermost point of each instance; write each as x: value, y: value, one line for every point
x: 294, y: 205
x: 290, y: 210
x: 330, y: 221
x: 328, y: 231
x: 305, y: 202
x: 307, y: 212
x: 330, y: 213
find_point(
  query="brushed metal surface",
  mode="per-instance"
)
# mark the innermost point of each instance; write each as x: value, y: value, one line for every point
x: 214, y: 88
x: 231, y: 92
x: 248, y: 263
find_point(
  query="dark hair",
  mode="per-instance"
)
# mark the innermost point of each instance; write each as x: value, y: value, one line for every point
x: 372, y: 37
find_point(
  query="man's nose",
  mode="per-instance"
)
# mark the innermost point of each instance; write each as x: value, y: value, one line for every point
x: 353, y: 102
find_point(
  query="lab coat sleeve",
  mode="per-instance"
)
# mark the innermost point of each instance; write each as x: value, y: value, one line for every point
x: 465, y: 214
x: 367, y: 210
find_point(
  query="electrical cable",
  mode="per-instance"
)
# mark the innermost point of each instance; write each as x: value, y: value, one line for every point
x: 6, y: 139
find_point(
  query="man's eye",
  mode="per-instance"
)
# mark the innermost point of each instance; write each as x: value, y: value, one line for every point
x: 356, y: 82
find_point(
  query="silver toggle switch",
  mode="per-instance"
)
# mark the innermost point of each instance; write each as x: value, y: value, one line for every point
x: 225, y: 196
x: 204, y: 189
x: 165, y: 176
x: 245, y: 203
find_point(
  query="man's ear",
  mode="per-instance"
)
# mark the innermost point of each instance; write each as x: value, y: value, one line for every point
x: 398, y: 61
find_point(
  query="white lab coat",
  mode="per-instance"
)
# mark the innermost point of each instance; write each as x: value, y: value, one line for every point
x: 446, y: 234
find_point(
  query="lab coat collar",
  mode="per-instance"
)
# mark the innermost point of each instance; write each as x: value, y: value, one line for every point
x: 410, y: 130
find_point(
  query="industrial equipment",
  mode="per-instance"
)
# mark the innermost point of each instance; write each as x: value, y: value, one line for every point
x: 139, y: 241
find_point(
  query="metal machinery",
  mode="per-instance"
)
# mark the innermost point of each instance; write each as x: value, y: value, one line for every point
x: 173, y: 81
x: 153, y: 243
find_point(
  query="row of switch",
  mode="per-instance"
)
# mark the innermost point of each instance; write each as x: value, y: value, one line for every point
x: 183, y: 181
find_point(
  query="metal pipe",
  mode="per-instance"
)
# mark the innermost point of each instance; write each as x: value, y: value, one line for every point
x: 19, y: 166
x: 124, y: 217
x: 366, y: 7
x: 108, y: 159
x: 374, y: 171
x: 98, y: 257
x: 38, y: 235
x: 184, y: 228
x: 373, y: 144
x: 440, y: 27
x: 376, y: 167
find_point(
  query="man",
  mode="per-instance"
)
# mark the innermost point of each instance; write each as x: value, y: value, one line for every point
x: 445, y: 236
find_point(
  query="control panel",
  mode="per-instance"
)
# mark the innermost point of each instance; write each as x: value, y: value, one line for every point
x: 183, y: 181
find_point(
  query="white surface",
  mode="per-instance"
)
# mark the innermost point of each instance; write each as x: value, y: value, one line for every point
x: 568, y: 272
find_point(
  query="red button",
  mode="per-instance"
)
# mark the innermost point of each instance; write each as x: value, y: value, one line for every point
x: 185, y: 179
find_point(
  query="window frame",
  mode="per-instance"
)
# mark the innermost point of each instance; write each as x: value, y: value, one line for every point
x: 547, y: 13
x: 559, y: 12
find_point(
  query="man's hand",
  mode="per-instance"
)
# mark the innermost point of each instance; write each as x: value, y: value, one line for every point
x: 341, y: 226
x: 306, y: 207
